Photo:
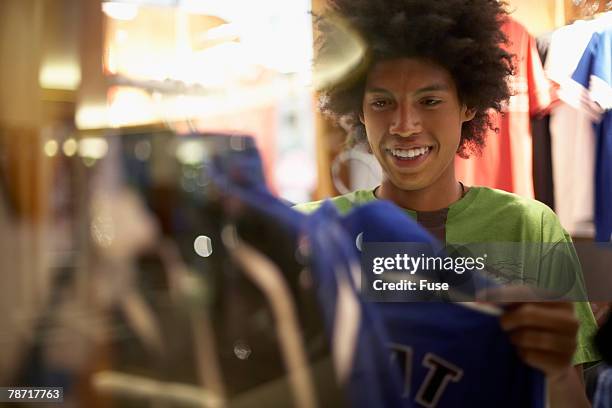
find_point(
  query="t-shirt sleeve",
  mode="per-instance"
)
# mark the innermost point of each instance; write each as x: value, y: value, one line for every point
x: 562, y: 271
x: 585, y: 351
x: 591, y: 85
x: 343, y: 204
x: 565, y: 277
x: 583, y: 71
x: 307, y: 208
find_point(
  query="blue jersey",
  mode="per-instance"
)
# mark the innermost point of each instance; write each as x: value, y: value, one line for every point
x: 450, y: 354
x: 594, y: 75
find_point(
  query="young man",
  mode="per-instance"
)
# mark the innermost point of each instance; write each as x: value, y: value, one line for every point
x: 434, y: 69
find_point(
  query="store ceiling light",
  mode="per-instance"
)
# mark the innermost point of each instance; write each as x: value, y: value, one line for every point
x: 120, y: 11
x: 64, y: 75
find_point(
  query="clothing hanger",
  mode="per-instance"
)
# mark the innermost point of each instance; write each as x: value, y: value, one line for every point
x: 182, y: 285
x: 269, y: 278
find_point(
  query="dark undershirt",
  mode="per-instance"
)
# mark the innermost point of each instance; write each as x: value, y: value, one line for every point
x: 435, y: 221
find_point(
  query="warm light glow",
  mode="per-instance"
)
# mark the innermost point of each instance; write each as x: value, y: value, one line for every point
x: 121, y: 36
x: 219, y: 66
x: 65, y: 76
x: 92, y: 117
x: 93, y: 147
x: 190, y: 152
x: 51, y: 147
x: 169, y: 51
x: 131, y: 106
x: 224, y: 32
x: 120, y: 11
x: 200, y: 59
x: 342, y: 58
x: 70, y: 147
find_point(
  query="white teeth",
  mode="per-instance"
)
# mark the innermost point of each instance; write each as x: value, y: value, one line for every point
x: 410, y: 153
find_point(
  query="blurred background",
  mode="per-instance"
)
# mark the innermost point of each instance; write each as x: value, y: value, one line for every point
x: 94, y: 98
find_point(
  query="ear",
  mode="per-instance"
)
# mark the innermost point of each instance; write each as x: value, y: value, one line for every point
x: 468, y: 113
x: 361, y: 118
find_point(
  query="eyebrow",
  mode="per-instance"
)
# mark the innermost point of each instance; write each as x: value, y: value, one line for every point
x: 428, y: 88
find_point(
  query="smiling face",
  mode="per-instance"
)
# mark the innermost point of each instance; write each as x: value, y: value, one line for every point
x: 413, y: 118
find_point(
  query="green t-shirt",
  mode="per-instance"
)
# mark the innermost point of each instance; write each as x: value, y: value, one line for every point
x: 508, y: 227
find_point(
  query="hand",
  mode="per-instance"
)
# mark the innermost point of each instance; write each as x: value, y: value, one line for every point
x: 544, y: 334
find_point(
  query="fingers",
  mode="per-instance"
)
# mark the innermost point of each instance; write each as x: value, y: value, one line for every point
x: 543, y: 333
x: 539, y: 341
x: 553, y: 316
x: 553, y: 365
x: 515, y: 293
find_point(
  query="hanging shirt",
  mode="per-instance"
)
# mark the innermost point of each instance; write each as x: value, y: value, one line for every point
x: 540, y: 130
x: 506, y: 159
x: 593, y: 95
x: 572, y: 135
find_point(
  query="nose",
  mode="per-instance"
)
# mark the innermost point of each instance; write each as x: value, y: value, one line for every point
x: 406, y: 121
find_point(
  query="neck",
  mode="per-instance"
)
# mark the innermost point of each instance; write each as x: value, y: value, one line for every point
x: 431, y: 198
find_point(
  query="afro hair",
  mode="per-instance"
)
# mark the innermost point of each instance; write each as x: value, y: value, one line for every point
x: 462, y: 36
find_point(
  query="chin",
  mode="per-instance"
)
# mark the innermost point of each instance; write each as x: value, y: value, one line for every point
x: 412, y: 186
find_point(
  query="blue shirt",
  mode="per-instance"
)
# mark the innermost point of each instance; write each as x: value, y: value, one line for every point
x: 594, y: 75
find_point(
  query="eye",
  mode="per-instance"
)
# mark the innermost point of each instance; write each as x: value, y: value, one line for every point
x: 380, y: 104
x: 431, y: 101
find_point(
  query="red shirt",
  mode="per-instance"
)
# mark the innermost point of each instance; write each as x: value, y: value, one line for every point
x: 506, y: 160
